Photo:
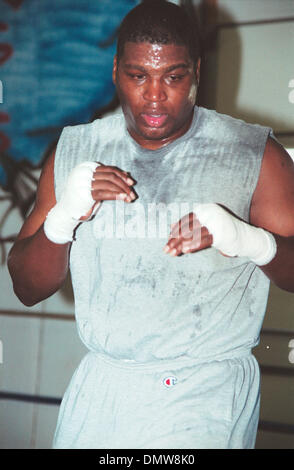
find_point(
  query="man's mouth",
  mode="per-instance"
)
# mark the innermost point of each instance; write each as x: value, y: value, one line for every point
x: 154, y: 120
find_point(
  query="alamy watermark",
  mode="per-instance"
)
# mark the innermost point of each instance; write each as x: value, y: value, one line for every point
x: 152, y: 220
x: 1, y: 91
x: 291, y: 353
x: 291, y: 94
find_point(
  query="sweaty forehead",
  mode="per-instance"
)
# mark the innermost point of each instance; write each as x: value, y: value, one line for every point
x: 156, y: 55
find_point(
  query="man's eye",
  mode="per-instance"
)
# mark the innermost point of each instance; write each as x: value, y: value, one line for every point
x: 136, y: 76
x: 174, y: 78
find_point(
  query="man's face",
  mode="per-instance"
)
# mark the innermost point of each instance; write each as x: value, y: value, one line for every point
x: 157, y: 87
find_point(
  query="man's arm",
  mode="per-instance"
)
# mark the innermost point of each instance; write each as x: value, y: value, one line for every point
x: 38, y: 260
x: 272, y: 208
x: 38, y: 267
x: 268, y: 240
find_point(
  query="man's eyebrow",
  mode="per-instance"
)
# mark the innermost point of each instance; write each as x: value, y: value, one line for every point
x: 182, y: 65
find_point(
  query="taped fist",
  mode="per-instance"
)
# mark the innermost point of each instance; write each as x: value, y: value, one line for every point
x: 88, y: 184
x: 222, y: 230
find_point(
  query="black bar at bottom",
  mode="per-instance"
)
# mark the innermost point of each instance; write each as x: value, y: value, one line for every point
x: 272, y: 426
x: 30, y: 398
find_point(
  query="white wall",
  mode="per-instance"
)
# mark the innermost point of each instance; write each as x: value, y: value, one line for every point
x: 264, y: 58
x: 40, y: 349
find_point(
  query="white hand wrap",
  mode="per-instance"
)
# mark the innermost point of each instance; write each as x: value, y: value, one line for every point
x: 234, y: 237
x: 76, y: 200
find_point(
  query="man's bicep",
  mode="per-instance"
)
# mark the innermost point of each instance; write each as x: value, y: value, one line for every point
x: 273, y: 200
x: 45, y: 200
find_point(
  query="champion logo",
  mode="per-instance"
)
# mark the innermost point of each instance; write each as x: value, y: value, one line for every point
x: 170, y: 381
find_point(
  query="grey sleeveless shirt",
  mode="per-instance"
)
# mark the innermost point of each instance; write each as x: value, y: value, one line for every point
x: 133, y: 301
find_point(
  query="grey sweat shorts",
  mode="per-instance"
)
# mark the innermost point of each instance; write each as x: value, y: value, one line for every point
x: 181, y: 404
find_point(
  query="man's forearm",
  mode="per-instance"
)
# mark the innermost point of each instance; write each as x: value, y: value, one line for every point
x: 38, y: 267
x: 281, y: 269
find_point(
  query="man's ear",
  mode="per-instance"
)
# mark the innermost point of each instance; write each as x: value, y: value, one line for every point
x: 114, y: 69
x: 197, y: 71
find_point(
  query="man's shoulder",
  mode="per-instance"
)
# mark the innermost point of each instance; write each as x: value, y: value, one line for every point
x: 107, y: 127
x: 229, y: 127
x: 82, y: 142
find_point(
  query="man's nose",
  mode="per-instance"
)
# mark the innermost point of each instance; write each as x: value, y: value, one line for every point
x: 154, y: 91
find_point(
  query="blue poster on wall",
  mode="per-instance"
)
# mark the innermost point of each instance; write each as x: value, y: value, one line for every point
x: 55, y: 70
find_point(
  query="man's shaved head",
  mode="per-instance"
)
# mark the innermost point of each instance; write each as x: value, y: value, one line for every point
x: 160, y: 22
